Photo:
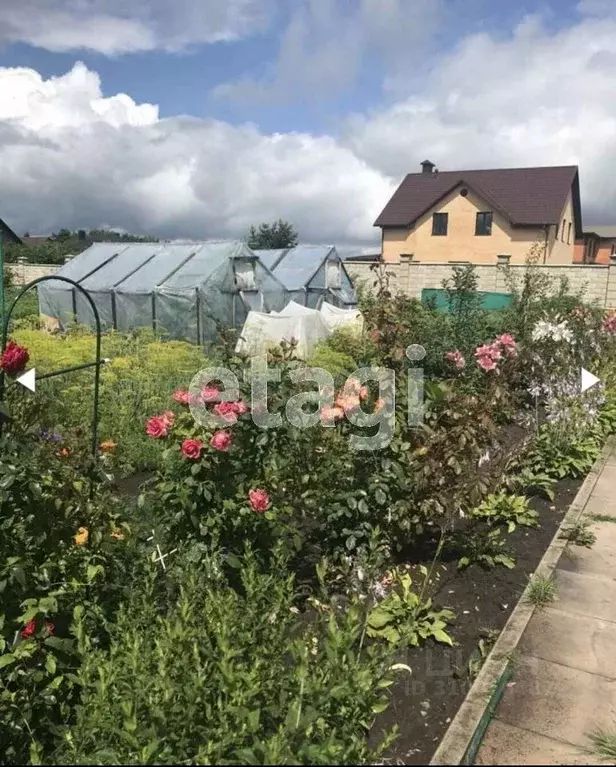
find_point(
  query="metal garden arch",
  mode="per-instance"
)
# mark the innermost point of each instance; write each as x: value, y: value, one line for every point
x: 95, y: 364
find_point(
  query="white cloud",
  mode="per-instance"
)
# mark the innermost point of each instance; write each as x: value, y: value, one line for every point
x: 72, y: 158
x: 327, y: 44
x: 114, y: 27
x: 536, y: 98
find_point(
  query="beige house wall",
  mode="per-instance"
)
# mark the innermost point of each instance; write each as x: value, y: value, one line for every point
x: 410, y: 278
x: 462, y: 244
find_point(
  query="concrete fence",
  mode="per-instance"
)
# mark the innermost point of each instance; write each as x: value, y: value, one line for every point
x: 411, y: 277
x: 23, y: 272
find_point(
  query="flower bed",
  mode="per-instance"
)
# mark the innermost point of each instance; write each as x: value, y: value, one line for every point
x: 276, y: 589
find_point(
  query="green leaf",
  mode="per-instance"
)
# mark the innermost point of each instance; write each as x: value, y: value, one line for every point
x: 381, y: 706
x: 442, y: 636
x: 6, y: 660
x: 379, y: 618
x: 58, y: 643
x: 50, y: 664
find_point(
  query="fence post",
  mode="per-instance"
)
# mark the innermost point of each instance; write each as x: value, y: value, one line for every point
x: 610, y: 292
x: 502, y: 262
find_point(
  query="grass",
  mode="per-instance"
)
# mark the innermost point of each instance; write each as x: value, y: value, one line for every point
x: 136, y: 384
x: 541, y: 591
x: 601, y: 518
x: 603, y: 745
x: 580, y: 534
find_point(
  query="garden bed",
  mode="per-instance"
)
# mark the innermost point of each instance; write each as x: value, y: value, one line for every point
x: 423, y: 706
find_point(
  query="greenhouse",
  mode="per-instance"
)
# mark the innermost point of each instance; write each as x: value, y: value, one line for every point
x: 184, y: 289
x: 311, y: 274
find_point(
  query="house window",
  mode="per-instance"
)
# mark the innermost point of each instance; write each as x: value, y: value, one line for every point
x: 562, y: 231
x: 569, y: 234
x: 439, y: 224
x: 483, y: 225
x: 613, y: 253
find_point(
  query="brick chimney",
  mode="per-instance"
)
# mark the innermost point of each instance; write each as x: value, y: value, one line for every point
x: 427, y: 166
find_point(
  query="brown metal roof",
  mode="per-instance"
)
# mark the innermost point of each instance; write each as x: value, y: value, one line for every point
x: 525, y: 196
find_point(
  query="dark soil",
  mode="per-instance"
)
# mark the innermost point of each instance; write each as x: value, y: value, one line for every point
x: 131, y: 486
x: 423, y: 705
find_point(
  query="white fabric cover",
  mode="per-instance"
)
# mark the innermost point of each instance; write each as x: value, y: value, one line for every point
x: 306, y: 326
x: 336, y: 317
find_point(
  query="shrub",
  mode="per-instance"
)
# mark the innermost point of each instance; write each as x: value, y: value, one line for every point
x: 217, y: 675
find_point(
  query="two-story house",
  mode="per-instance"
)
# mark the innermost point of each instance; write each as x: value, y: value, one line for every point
x: 477, y: 215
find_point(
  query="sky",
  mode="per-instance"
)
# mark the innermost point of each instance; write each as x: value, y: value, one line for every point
x: 198, y: 118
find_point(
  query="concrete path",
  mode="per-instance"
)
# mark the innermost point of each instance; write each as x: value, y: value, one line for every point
x: 564, y: 683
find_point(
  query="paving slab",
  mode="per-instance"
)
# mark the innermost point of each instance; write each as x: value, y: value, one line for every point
x: 585, y: 594
x: 505, y: 744
x: 606, y: 483
x: 600, y: 559
x: 558, y: 702
x: 598, y: 505
x: 578, y: 641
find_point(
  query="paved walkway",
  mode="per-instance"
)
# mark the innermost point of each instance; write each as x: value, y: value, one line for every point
x: 564, y: 683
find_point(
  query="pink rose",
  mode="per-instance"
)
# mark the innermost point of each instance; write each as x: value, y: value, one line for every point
x: 169, y: 418
x: 259, y: 500
x: 363, y: 393
x: 221, y: 440
x: 332, y: 413
x: 192, y: 449
x: 456, y: 358
x: 486, y: 363
x: 156, y: 428
x: 508, y: 344
x: 210, y: 394
x: 181, y: 396
x: 240, y: 407
x: 227, y: 411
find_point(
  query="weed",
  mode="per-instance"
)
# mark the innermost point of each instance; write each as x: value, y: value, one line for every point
x: 541, y: 590
x: 603, y: 745
x: 580, y: 534
x: 601, y: 518
x: 484, y: 646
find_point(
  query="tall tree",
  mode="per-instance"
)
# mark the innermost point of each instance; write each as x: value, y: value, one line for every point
x: 280, y: 234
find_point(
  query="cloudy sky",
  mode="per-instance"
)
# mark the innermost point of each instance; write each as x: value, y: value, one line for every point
x: 197, y: 118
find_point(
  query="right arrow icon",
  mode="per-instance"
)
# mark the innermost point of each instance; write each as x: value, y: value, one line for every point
x: 588, y: 380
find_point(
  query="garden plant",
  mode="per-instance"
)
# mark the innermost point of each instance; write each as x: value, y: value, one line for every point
x: 269, y: 592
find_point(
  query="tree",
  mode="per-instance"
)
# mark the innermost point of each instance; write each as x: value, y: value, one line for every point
x: 280, y: 234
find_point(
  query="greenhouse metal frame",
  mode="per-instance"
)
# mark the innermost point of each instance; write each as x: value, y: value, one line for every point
x: 187, y: 290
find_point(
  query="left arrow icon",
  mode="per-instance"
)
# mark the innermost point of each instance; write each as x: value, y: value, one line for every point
x: 28, y: 379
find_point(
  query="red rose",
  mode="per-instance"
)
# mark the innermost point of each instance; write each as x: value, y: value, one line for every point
x: 221, y: 440
x: 156, y: 427
x: 226, y: 410
x: 28, y: 630
x: 14, y: 358
x: 181, y: 396
x: 192, y: 449
x: 259, y: 500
